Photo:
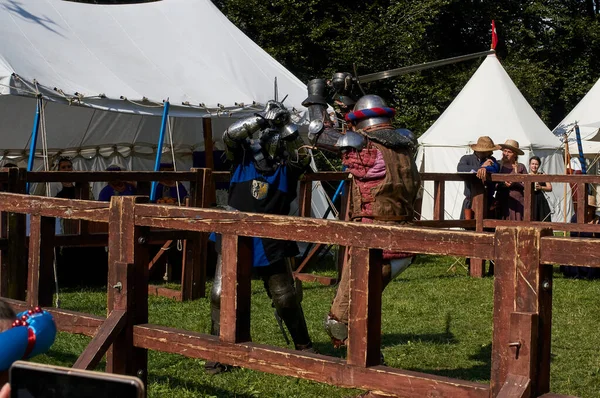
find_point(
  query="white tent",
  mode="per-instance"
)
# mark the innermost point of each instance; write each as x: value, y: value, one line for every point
x: 105, y: 70
x: 489, y: 104
x: 586, y: 115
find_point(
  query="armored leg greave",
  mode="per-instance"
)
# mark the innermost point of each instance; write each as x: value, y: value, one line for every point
x: 215, y: 300
x: 279, y: 284
x: 281, y: 289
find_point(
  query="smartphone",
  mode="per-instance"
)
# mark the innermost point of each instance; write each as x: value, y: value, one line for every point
x: 33, y: 380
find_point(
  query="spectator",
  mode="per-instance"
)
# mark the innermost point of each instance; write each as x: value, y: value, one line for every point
x: 116, y: 188
x: 591, y: 217
x: 541, y: 207
x: 68, y: 188
x: 169, y: 191
x: 509, y: 195
x: 481, y: 162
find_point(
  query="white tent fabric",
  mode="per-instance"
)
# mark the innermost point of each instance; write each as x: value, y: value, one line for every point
x: 128, y: 59
x: 586, y: 115
x: 489, y: 104
x: 105, y: 70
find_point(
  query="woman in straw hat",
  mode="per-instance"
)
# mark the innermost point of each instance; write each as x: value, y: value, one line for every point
x: 509, y: 195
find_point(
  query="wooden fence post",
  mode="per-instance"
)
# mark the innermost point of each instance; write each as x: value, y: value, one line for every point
x: 16, y: 265
x: 127, y: 285
x: 479, y: 206
x: 364, y: 323
x: 41, y: 261
x: 236, y: 257
x: 438, y: 199
x: 193, y: 273
x: 522, y: 313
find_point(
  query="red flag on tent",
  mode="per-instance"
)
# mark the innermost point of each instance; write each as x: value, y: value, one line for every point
x: 494, y: 35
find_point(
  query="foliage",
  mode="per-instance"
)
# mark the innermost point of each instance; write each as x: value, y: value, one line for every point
x: 549, y: 47
x: 435, y: 320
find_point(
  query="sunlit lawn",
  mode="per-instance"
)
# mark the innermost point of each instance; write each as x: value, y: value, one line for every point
x: 436, y: 319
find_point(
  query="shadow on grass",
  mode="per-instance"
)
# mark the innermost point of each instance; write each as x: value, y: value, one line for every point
x: 478, y: 372
x: 175, y: 382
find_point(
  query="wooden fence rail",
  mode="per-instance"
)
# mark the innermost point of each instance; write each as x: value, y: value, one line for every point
x: 522, y: 294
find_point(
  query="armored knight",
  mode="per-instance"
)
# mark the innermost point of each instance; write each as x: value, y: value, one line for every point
x: 385, y: 178
x: 268, y: 157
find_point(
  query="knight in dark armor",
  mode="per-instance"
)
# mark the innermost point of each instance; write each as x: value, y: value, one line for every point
x: 268, y: 157
x: 385, y: 177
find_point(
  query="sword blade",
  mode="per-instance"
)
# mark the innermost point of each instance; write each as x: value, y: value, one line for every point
x: 427, y: 65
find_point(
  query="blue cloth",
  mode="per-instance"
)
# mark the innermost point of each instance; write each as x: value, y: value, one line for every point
x: 267, y: 193
x: 108, y: 192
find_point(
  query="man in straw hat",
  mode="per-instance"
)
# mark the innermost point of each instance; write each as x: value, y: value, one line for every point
x: 481, y: 162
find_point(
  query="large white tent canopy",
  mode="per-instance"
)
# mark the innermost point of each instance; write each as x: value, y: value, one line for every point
x: 490, y: 104
x: 127, y: 59
x: 103, y: 72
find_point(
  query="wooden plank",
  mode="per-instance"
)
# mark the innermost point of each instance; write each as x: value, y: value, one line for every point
x: 438, y: 199
x: 364, y: 323
x: 66, y: 321
x: 581, y: 202
x: 446, y: 223
x: 581, y: 251
x: 208, y: 142
x: 305, y: 199
x: 236, y: 257
x: 557, y: 226
x: 104, y: 337
x: 54, y: 207
x: 564, y: 178
x: 528, y: 202
x: 127, y: 285
x: 40, y: 278
x: 521, y: 285
x: 386, y: 237
x: 158, y: 255
x: 164, y: 292
x: 320, y: 368
x: 100, y: 176
x: 515, y: 387
x: 323, y: 280
x: 524, y: 331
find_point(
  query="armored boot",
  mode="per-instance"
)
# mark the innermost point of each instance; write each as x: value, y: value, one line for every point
x: 287, y: 304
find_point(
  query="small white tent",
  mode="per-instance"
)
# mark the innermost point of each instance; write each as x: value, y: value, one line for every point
x: 586, y: 115
x: 490, y: 104
x: 105, y: 70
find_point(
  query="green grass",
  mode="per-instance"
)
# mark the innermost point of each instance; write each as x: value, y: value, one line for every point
x: 435, y: 320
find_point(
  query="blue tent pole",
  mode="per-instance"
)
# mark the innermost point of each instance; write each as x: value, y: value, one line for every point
x: 161, y: 140
x: 580, y: 149
x: 34, y: 135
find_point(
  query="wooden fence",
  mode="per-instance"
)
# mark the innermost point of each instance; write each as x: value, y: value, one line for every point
x: 522, y: 293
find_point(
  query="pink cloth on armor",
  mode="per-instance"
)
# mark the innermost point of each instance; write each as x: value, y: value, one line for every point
x: 368, y: 169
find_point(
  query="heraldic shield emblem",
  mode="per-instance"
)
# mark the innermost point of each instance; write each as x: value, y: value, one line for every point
x: 259, y: 189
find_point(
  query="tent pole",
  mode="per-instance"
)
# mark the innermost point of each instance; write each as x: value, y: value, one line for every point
x: 580, y: 149
x: 161, y: 140
x: 34, y: 135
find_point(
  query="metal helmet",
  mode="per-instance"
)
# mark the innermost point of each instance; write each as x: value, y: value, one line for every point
x: 371, y: 110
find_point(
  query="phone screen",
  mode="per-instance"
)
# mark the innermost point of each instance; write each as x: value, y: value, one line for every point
x: 33, y: 381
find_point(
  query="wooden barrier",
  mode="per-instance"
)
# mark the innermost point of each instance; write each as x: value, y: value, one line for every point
x: 522, y: 294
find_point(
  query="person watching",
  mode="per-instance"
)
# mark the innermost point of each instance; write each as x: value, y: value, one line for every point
x: 116, y: 188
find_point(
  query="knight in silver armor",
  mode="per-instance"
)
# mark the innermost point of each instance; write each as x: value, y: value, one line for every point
x: 268, y: 157
x: 381, y: 160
